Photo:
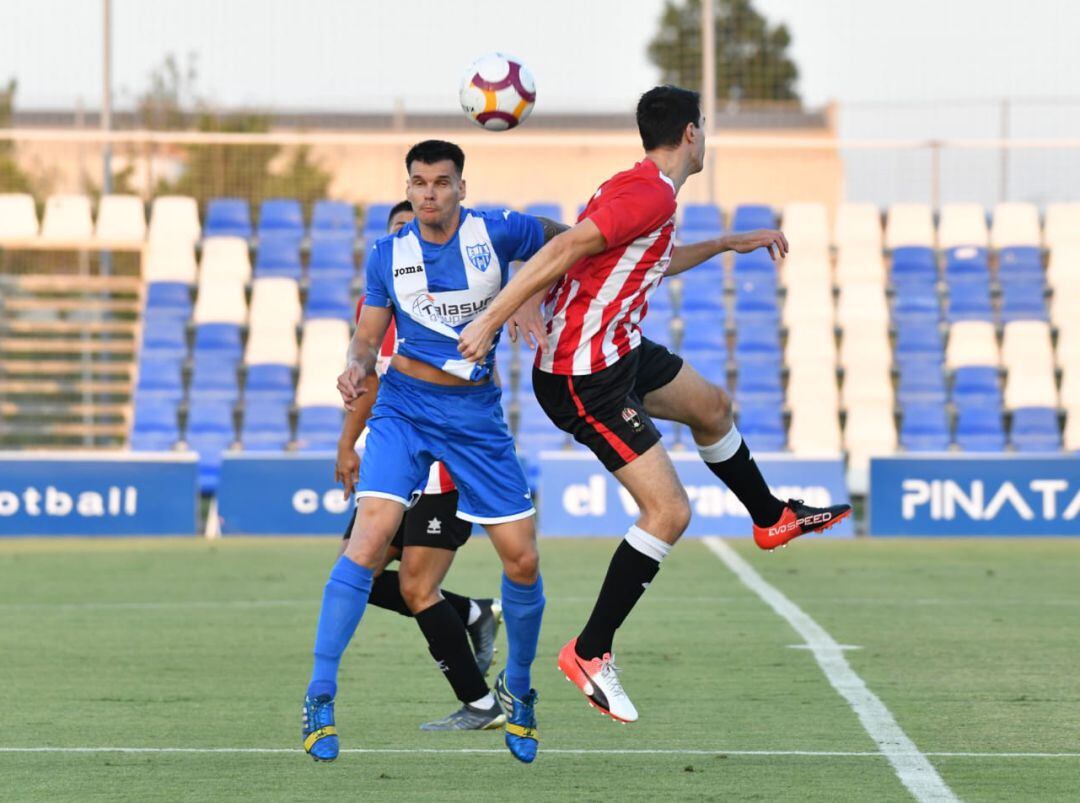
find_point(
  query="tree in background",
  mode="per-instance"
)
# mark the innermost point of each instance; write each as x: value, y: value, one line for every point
x: 12, y: 177
x: 752, y: 61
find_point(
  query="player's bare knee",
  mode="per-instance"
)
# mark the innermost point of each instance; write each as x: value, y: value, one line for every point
x: 523, y: 567
x: 714, y: 415
x: 418, y: 593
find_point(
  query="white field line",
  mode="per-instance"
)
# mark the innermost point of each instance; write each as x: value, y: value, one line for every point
x: 546, y: 751
x: 911, y: 766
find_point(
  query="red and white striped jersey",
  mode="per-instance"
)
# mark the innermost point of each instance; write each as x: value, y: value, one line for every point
x: 594, y: 310
x: 439, y: 480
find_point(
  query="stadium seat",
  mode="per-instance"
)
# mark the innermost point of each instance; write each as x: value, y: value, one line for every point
x: 870, y: 431
x: 281, y: 215
x: 812, y: 386
x: 814, y: 432
x: 271, y: 344
x: 1067, y: 352
x: 701, y: 330
x: 329, y: 298
x: 918, y: 385
x: 806, y: 226
x: 210, y: 431
x: 969, y: 299
x: 759, y: 385
x: 164, y: 337
x: 701, y: 216
x: 18, y: 217
x: 154, y: 428
x: 757, y: 344
x: 963, y: 224
x: 318, y: 428
x: 661, y: 300
x: 868, y: 346
x: 860, y: 264
x: 1070, y: 386
x: 228, y: 217
x: 121, y: 220
x: 213, y: 380
x: 225, y: 257
x: 1020, y: 264
x: 268, y: 382
x: 763, y: 428
x: 754, y: 266
x: 170, y: 261
x: 913, y: 264
x: 1062, y: 225
x: 332, y: 255
x: 279, y: 255
x: 967, y: 262
x: 175, y: 218
x: 805, y: 271
x: 336, y: 217
x: 1023, y: 301
x: 979, y: 429
x: 168, y: 299
x: 811, y: 308
x: 909, y: 225
x: 265, y: 427
x: 917, y: 304
x: 1063, y: 268
x: 859, y: 225
x: 275, y: 300
x: 813, y: 343
x: 550, y: 210
x: 925, y: 428
x: 323, y: 343
x: 220, y: 300
x: 702, y: 289
x: 862, y: 306
x: 976, y: 386
x: 218, y: 340
x: 710, y: 363
x: 1035, y: 429
x: 1025, y: 343
x: 867, y: 385
x: 748, y: 217
x: 755, y: 302
x: 972, y: 343
x: 375, y: 217
x: 67, y: 219
x: 1015, y: 224
x: 159, y: 381
x: 1030, y: 385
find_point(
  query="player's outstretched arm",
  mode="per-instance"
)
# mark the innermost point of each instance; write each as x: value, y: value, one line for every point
x: 363, y: 349
x: 684, y: 257
x: 548, y: 264
x: 527, y: 321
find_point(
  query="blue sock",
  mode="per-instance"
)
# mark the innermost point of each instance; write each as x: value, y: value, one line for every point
x: 523, y: 608
x: 344, y: 599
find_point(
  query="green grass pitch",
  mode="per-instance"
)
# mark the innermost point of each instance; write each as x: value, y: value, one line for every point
x: 972, y: 645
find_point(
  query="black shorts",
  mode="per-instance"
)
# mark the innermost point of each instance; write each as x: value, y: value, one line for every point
x: 604, y: 411
x: 432, y: 521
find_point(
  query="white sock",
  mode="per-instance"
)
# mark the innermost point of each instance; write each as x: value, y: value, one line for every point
x: 484, y: 702
x: 474, y: 614
x: 723, y: 449
x: 648, y: 545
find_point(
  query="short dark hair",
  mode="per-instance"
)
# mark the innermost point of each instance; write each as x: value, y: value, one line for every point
x: 431, y: 151
x: 663, y: 114
x: 396, y: 209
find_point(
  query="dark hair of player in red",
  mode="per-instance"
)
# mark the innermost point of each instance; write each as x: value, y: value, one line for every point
x: 663, y: 114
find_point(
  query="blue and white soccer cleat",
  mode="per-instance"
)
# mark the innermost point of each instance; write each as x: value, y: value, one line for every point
x: 522, y: 738
x: 320, y: 735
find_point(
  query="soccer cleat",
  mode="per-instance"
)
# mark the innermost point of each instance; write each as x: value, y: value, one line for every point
x: 798, y: 519
x: 522, y: 738
x: 482, y: 633
x: 468, y: 718
x: 320, y: 735
x: 598, y: 680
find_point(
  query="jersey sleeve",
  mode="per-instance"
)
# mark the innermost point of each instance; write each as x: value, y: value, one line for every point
x: 632, y: 211
x: 376, y: 293
x: 523, y: 235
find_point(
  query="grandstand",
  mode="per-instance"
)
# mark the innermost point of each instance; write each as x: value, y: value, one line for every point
x: 932, y: 331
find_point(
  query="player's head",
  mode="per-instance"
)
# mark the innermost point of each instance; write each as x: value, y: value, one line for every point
x: 401, y: 215
x: 435, y: 187
x: 669, y: 117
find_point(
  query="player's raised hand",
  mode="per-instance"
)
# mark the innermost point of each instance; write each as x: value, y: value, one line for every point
x: 475, y: 340
x: 746, y: 241
x: 528, y: 324
x: 347, y: 468
x: 350, y: 383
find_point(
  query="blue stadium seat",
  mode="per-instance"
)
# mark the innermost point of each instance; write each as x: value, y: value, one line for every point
x: 710, y: 363
x: 318, y: 428
x: 155, y: 427
x: 657, y: 326
x: 1035, y: 429
x: 979, y: 429
x: 967, y: 262
x: 168, y: 298
x: 375, y: 219
x: 160, y: 381
x: 1021, y: 264
x: 759, y: 385
x: 976, y: 386
x: 753, y: 216
x: 701, y: 216
x: 329, y: 298
x: 919, y: 345
x: 969, y: 298
x: 552, y: 211
x: 227, y: 217
x: 332, y: 255
x: 268, y: 383
x: 660, y: 300
x: 754, y: 266
x: 337, y: 217
x: 279, y: 255
x: 755, y: 300
x: 1023, y: 301
x: 924, y: 428
x: 210, y: 431
x: 763, y: 428
x: 282, y: 215
x: 164, y: 338
x: 703, y: 289
x: 213, y: 380
x: 219, y: 339
x: 918, y: 385
x: 916, y: 304
x: 702, y: 331
x: 914, y: 263
x: 265, y: 427
x: 757, y: 344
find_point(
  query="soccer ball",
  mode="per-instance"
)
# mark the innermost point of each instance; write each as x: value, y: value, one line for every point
x: 497, y: 92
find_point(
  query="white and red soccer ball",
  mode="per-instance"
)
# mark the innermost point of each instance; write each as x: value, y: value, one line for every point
x: 497, y: 92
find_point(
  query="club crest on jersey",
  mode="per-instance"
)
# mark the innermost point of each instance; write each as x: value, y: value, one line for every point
x: 630, y: 416
x: 479, y: 255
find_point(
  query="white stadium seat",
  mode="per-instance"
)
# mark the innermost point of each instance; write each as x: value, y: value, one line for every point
x: 1026, y: 343
x: 801, y: 271
x: 806, y: 227
x: 271, y: 344
x: 226, y: 256
x: 858, y: 225
x: 867, y: 384
x: 812, y: 305
x: 275, y: 300
x: 1015, y: 224
x: 322, y: 353
x: 121, y: 220
x: 862, y: 306
x: 220, y: 300
x: 1062, y: 225
x: 909, y: 224
x: 870, y: 431
x: 175, y: 216
x: 861, y: 347
x: 1070, y: 388
x: 67, y: 219
x: 1068, y: 348
x: 860, y: 264
x: 963, y: 224
x: 814, y: 432
x: 972, y: 343
x: 1030, y: 385
x: 1065, y: 305
x: 18, y: 217
x: 1063, y: 269
x: 170, y: 261
x: 812, y: 385
x: 812, y: 342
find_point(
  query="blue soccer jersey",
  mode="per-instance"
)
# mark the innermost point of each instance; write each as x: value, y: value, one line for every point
x: 437, y: 289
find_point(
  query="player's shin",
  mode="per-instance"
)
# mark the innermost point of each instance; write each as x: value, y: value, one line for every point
x: 730, y: 460
x: 344, y: 599
x: 523, y: 610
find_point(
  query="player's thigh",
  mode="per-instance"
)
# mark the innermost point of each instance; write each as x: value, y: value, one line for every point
x: 422, y: 571
x: 689, y: 399
x: 515, y: 542
x: 655, y: 486
x: 377, y: 519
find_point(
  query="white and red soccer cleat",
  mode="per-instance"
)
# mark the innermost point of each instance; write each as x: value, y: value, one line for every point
x: 598, y: 680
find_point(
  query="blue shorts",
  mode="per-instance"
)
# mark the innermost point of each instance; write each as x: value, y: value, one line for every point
x: 414, y: 423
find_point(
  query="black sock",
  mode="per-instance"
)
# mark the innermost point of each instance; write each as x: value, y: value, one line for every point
x: 741, y: 474
x: 448, y: 644
x: 459, y: 603
x: 386, y: 593
x: 628, y: 575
